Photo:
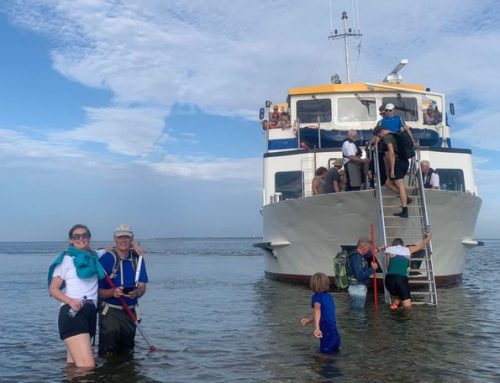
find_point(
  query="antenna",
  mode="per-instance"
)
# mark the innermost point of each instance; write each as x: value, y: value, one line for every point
x: 394, y: 77
x: 347, y: 33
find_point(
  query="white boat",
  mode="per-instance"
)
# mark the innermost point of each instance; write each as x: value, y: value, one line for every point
x: 303, y: 232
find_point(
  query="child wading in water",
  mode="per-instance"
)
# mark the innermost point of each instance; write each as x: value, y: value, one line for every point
x: 325, y: 326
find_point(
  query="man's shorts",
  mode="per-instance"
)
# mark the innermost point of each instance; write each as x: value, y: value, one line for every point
x: 83, y: 322
x: 400, y: 169
x: 398, y: 286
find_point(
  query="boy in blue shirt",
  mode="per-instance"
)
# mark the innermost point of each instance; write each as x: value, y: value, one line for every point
x: 325, y: 325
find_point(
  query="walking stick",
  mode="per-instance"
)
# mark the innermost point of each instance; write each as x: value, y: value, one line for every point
x: 131, y: 315
x: 375, y: 295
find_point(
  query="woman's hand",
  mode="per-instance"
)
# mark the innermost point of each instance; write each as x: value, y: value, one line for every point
x: 75, y: 304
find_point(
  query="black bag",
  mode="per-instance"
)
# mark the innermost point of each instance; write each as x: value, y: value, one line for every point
x: 406, y: 148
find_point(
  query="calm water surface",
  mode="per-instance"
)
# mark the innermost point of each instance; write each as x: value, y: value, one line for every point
x: 215, y: 318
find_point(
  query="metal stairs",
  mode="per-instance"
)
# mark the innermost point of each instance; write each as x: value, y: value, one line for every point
x: 411, y: 230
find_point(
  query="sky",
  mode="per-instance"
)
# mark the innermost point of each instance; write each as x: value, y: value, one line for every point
x: 146, y: 111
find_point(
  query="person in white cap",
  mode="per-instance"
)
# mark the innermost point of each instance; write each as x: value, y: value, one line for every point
x: 121, y: 263
x: 396, y: 277
x: 390, y: 120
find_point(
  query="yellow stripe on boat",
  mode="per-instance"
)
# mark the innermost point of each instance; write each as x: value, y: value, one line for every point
x: 348, y: 88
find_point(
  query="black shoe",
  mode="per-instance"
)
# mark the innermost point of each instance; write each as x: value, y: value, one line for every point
x: 408, y: 200
x: 403, y: 214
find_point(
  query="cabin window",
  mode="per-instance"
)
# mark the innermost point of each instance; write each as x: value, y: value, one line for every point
x: 356, y: 109
x: 309, y: 110
x: 289, y: 184
x: 406, y: 107
x: 451, y: 179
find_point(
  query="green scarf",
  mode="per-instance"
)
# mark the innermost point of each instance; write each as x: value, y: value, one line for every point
x: 86, y: 263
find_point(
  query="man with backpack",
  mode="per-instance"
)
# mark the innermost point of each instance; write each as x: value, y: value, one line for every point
x: 359, y: 272
x: 396, y: 164
x: 122, y: 264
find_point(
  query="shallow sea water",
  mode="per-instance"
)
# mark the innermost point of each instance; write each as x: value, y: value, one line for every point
x: 216, y: 318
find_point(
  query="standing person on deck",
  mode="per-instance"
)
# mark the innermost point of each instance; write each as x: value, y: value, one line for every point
x: 359, y: 272
x: 76, y: 271
x: 325, y: 325
x: 353, y: 163
x: 116, y: 328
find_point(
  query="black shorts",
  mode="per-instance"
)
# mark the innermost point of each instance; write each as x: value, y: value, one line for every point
x: 400, y: 169
x: 398, y: 286
x: 83, y: 322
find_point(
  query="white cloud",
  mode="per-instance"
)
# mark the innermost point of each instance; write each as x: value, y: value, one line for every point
x: 130, y: 131
x: 209, y: 168
x: 227, y: 57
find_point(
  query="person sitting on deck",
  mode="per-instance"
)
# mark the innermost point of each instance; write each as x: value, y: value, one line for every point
x: 396, y: 277
x: 274, y: 118
x: 432, y: 115
x: 359, y: 272
x: 429, y: 175
x: 284, y: 120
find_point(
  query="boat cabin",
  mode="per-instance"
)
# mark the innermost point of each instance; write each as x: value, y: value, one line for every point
x: 309, y: 129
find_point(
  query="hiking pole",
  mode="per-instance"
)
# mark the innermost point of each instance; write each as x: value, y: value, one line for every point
x: 375, y: 297
x: 131, y: 315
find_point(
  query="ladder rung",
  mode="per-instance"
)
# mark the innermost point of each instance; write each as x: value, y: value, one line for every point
x: 423, y: 303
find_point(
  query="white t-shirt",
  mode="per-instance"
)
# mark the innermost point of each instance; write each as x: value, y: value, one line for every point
x: 76, y: 288
x: 435, y: 180
x: 348, y: 149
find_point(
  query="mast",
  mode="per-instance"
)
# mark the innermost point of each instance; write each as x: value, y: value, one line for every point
x: 347, y: 33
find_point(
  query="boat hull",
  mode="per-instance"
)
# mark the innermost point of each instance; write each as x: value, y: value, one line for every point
x: 303, y: 235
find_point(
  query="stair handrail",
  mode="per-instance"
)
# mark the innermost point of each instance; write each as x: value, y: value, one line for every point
x: 381, y: 234
x: 425, y: 218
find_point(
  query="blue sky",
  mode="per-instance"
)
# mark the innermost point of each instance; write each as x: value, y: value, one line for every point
x: 145, y: 111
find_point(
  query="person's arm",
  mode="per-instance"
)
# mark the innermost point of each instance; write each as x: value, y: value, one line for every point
x: 435, y: 181
x: 317, y: 317
x: 422, y: 245
x: 111, y: 293
x: 306, y: 321
x: 55, y: 291
x: 336, y: 186
x: 357, y: 268
x: 358, y: 160
x: 314, y: 186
